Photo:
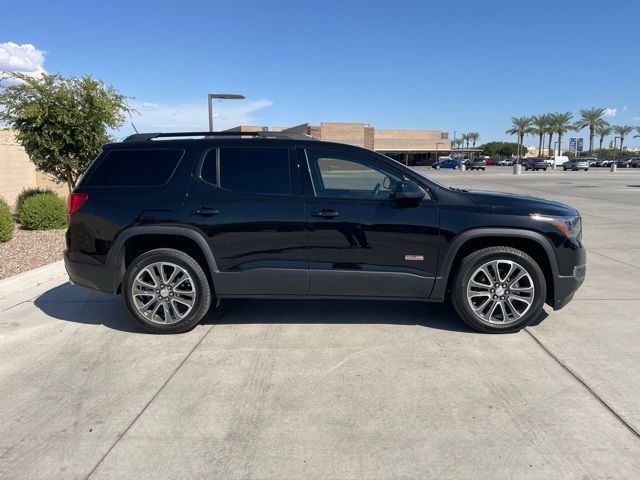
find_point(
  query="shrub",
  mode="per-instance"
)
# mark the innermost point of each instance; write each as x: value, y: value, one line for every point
x: 6, y: 222
x: 27, y: 193
x: 44, y: 211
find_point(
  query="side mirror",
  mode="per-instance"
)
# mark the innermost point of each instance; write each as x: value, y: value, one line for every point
x: 408, y: 191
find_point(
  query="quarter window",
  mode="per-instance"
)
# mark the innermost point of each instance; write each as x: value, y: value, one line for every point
x: 135, y: 168
x: 346, y: 175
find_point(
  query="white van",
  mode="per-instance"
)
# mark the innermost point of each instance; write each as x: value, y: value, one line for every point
x: 557, y: 160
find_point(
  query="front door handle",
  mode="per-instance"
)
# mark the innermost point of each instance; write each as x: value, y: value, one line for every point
x: 325, y: 213
x: 205, y: 211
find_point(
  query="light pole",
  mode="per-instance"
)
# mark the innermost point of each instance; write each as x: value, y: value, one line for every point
x: 438, y: 143
x: 220, y: 97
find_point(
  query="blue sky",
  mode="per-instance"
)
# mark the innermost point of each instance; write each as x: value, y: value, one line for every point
x: 451, y: 65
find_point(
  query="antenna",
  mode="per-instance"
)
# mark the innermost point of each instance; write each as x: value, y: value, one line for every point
x: 134, y: 127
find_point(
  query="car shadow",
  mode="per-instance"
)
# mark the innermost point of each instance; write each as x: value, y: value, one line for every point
x: 80, y: 305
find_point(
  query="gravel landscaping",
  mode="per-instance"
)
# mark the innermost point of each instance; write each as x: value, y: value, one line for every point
x: 30, y: 249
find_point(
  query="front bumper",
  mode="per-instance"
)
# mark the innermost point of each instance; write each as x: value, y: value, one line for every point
x: 565, y: 286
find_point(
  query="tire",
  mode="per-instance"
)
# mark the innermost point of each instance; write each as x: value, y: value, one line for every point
x: 437, y: 168
x: 564, y: 169
x: 469, y: 269
x: 192, y: 291
x: 586, y: 169
x: 544, y: 169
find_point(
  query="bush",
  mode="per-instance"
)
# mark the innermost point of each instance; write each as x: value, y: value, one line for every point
x: 28, y: 193
x: 6, y: 222
x: 43, y: 211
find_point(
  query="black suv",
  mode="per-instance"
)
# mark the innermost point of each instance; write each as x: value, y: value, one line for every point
x: 176, y: 222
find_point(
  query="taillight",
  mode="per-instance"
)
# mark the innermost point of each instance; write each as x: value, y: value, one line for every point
x: 75, y: 201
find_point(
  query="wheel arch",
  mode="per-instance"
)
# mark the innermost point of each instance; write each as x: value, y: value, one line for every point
x: 134, y: 241
x: 532, y: 243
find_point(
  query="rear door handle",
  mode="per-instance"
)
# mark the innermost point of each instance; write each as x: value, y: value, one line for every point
x: 205, y: 211
x: 325, y: 213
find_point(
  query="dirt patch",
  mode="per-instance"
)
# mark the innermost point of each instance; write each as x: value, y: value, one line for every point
x: 29, y: 249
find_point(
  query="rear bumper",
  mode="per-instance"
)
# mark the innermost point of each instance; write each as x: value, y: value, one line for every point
x: 97, y: 277
x: 565, y: 286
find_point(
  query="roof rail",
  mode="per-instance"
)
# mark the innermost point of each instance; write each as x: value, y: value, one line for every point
x: 143, y: 137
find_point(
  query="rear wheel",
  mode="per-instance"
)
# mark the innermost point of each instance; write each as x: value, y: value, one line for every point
x: 498, y: 290
x: 166, y: 291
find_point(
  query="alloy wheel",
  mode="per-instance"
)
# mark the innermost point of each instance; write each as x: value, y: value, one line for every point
x: 500, y: 292
x: 163, y: 292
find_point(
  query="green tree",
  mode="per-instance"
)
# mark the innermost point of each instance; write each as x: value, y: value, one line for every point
x: 474, y: 136
x: 602, y: 130
x: 521, y: 127
x: 622, y: 131
x: 562, y: 125
x: 62, y: 122
x: 502, y: 149
x: 592, y: 118
x: 539, y: 125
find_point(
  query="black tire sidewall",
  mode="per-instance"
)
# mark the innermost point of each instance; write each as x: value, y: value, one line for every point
x: 459, y: 298
x: 200, y: 282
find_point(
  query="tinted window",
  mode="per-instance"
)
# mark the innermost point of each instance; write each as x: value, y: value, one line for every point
x: 140, y: 168
x: 342, y: 174
x: 209, y: 170
x: 255, y: 170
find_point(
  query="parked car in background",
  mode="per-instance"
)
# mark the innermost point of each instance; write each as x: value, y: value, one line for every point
x: 576, y: 164
x: 488, y: 161
x: 624, y: 162
x: 635, y: 162
x: 591, y: 160
x: 603, y: 162
x: 477, y: 164
x: 505, y: 162
x: 535, y: 164
x: 447, y: 162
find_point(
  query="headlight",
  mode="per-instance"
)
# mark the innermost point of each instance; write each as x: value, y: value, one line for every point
x: 571, y: 227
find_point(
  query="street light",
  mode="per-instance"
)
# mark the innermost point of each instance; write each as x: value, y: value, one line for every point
x: 220, y: 97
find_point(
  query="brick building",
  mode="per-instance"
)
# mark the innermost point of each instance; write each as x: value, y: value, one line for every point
x: 408, y: 146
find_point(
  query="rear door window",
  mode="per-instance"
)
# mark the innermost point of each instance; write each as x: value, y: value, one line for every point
x: 262, y: 171
x: 135, y: 168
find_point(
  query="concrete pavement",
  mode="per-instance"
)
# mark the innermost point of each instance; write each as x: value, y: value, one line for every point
x: 338, y: 389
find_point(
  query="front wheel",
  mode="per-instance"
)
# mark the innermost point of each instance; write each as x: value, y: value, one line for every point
x: 166, y: 291
x: 498, y: 290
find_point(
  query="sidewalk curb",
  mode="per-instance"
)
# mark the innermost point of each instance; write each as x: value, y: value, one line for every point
x: 32, y: 278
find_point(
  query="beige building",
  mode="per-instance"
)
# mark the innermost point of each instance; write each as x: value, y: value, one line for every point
x: 16, y: 170
x: 408, y: 146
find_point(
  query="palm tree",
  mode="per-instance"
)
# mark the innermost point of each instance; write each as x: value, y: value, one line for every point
x: 539, y: 125
x: 550, y: 131
x: 603, y: 130
x: 458, y: 142
x: 465, y: 139
x: 561, y: 125
x: 637, y: 130
x: 474, y: 136
x: 591, y: 117
x: 521, y: 127
x: 622, y: 131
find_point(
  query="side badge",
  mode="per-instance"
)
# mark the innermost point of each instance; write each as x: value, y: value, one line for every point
x: 415, y: 258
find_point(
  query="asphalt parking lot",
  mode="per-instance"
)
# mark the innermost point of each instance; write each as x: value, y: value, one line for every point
x: 339, y: 389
